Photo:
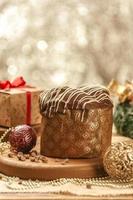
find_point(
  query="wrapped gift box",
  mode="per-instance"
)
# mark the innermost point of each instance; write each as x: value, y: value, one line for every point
x: 19, y: 106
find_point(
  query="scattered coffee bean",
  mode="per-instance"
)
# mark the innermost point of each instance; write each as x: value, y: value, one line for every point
x: 21, y: 158
x: 13, y: 150
x: 40, y: 157
x: 27, y: 156
x: 66, y: 160
x: 57, y: 160
x: 33, y: 153
x: 63, y: 163
x: 32, y: 159
x: 10, y: 155
x: 37, y: 157
x: 33, y: 156
x: 20, y: 153
x: 36, y: 160
x: 44, y: 160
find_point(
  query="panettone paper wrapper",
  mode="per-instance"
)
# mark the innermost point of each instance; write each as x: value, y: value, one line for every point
x: 13, y: 107
x: 65, y: 136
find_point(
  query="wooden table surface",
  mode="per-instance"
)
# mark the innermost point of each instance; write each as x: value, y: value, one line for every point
x: 41, y: 196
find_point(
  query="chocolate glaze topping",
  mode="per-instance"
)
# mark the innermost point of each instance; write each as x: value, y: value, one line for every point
x: 82, y: 98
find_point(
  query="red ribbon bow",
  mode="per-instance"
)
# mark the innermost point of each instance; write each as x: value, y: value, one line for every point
x: 17, y: 83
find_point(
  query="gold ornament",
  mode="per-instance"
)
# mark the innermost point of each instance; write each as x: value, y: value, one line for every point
x: 124, y: 92
x: 4, y: 145
x: 118, y: 160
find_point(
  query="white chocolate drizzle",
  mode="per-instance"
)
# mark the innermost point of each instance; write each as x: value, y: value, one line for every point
x: 63, y: 98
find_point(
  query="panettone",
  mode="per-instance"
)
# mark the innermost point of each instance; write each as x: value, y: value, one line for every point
x: 77, y: 123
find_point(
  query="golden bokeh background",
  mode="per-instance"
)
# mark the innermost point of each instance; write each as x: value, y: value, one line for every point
x: 66, y: 42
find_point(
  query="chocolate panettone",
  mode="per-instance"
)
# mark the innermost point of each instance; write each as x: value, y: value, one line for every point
x: 77, y: 123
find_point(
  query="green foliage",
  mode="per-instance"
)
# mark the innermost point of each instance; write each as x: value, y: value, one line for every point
x: 123, y: 119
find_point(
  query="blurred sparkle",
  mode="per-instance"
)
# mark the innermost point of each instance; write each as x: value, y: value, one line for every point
x: 59, y: 78
x: 12, y: 22
x: 80, y: 35
x: 60, y: 46
x: 82, y: 9
x: 70, y: 42
x: 12, y: 70
x: 42, y: 45
x: 62, y: 17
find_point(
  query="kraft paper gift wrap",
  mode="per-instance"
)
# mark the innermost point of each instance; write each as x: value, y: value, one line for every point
x: 19, y: 106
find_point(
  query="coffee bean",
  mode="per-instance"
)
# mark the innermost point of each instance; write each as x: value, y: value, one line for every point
x: 32, y: 159
x: 13, y: 150
x: 63, y: 163
x: 20, y: 153
x: 44, y: 160
x: 40, y: 157
x: 10, y: 155
x: 33, y: 153
x: 66, y: 160
x: 21, y: 158
x: 36, y: 160
x: 57, y: 160
x: 37, y: 157
x: 27, y: 156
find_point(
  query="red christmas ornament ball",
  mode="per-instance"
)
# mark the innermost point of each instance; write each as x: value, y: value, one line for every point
x: 22, y: 138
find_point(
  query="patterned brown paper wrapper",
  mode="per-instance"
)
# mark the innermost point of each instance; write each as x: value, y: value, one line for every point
x: 13, y: 107
x: 65, y: 136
